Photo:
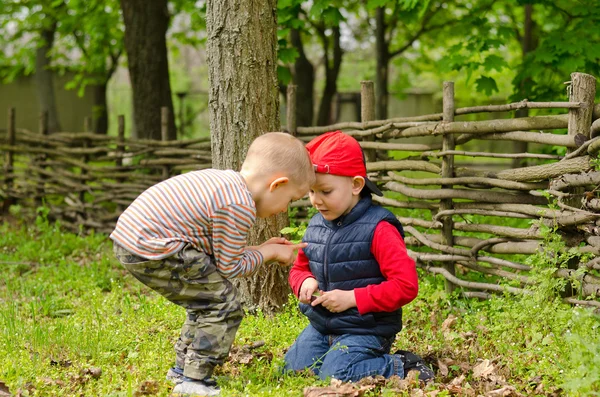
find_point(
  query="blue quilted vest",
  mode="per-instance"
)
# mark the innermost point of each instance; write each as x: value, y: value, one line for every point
x: 339, y: 254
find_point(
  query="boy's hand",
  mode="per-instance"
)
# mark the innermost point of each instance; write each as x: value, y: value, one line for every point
x: 307, y: 289
x: 272, y: 240
x: 336, y: 301
x: 277, y: 240
x: 284, y: 254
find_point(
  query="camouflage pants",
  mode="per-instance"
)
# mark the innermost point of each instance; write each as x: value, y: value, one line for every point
x: 190, y: 279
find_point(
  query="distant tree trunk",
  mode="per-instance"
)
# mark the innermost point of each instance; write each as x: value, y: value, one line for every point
x: 304, y: 78
x: 44, y: 79
x: 332, y: 70
x: 244, y: 103
x: 100, y: 110
x: 383, y: 60
x: 527, y: 45
x: 146, y: 24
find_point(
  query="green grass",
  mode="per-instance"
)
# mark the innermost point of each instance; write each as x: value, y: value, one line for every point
x: 67, y: 308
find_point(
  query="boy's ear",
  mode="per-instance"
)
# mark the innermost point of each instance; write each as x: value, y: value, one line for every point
x: 281, y: 181
x: 358, y: 183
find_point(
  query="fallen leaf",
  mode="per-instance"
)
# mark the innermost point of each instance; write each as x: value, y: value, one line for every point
x: 4, y: 391
x: 483, y: 369
x: 442, y: 368
x: 94, y: 372
x: 147, y: 388
x: 505, y: 391
x: 448, y: 322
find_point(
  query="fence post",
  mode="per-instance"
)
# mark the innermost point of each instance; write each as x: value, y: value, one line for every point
x: 290, y: 111
x: 8, y: 160
x: 367, y: 112
x: 448, y: 172
x: 164, y: 134
x: 583, y: 90
x: 120, y: 152
x: 43, y: 131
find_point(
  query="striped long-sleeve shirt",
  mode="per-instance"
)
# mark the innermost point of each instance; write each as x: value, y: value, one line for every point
x: 210, y: 209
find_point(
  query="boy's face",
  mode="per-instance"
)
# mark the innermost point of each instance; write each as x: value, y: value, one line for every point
x: 276, y: 199
x: 335, y: 195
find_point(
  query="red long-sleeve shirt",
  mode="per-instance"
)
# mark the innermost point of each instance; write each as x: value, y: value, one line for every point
x: 398, y: 269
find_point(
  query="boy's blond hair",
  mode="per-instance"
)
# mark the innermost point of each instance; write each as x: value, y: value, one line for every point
x: 281, y: 152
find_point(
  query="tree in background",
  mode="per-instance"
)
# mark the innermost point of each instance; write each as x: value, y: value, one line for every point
x: 401, y: 24
x: 146, y: 24
x: 29, y: 30
x: 243, y: 104
x: 303, y: 22
x: 80, y: 36
x: 94, y: 30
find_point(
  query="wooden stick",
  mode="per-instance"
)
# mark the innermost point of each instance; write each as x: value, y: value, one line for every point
x: 290, y: 110
x: 494, y: 155
x: 546, y: 171
x: 523, y: 136
x: 489, y: 126
x: 524, y: 104
x: 478, y: 195
x: 470, y: 181
x: 475, y: 285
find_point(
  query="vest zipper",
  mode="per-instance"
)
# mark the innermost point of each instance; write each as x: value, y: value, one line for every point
x: 326, y: 262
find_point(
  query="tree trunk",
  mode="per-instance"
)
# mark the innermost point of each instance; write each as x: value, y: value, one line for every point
x: 331, y: 74
x: 382, y: 72
x: 100, y: 110
x: 304, y: 78
x: 146, y: 24
x: 244, y: 103
x: 44, y: 79
x: 527, y: 45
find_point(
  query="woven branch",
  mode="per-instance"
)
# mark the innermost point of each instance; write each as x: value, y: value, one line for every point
x: 524, y: 104
x: 546, y: 171
x: 492, y: 155
x: 478, y: 195
x: 442, y: 214
x: 353, y: 125
x: 470, y: 181
x: 573, y: 180
x: 488, y: 126
x: 409, y: 147
x: 523, y: 136
x: 471, y: 284
x: 497, y: 272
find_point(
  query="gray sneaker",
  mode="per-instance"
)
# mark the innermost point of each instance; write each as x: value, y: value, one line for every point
x: 196, y: 388
x: 175, y: 375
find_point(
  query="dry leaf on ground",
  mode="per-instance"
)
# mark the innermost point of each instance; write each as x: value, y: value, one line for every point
x: 448, y: 322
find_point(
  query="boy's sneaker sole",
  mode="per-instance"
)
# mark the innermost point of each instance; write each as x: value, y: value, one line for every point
x: 174, y: 376
x: 196, y: 389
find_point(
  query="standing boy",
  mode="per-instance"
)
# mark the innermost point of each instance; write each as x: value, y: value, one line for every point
x: 186, y: 236
x: 357, y: 264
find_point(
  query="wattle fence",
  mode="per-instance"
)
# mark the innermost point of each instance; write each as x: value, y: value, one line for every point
x: 463, y: 219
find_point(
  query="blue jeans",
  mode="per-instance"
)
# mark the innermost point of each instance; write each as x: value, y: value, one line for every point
x: 345, y: 357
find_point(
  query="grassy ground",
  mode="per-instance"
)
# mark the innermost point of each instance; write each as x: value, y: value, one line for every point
x: 74, y: 323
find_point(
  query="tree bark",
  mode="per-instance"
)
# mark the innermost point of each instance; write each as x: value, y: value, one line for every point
x: 244, y: 103
x: 146, y: 25
x: 383, y: 59
x: 44, y: 78
x: 332, y: 70
x: 304, y: 78
x: 527, y: 45
x: 100, y: 111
